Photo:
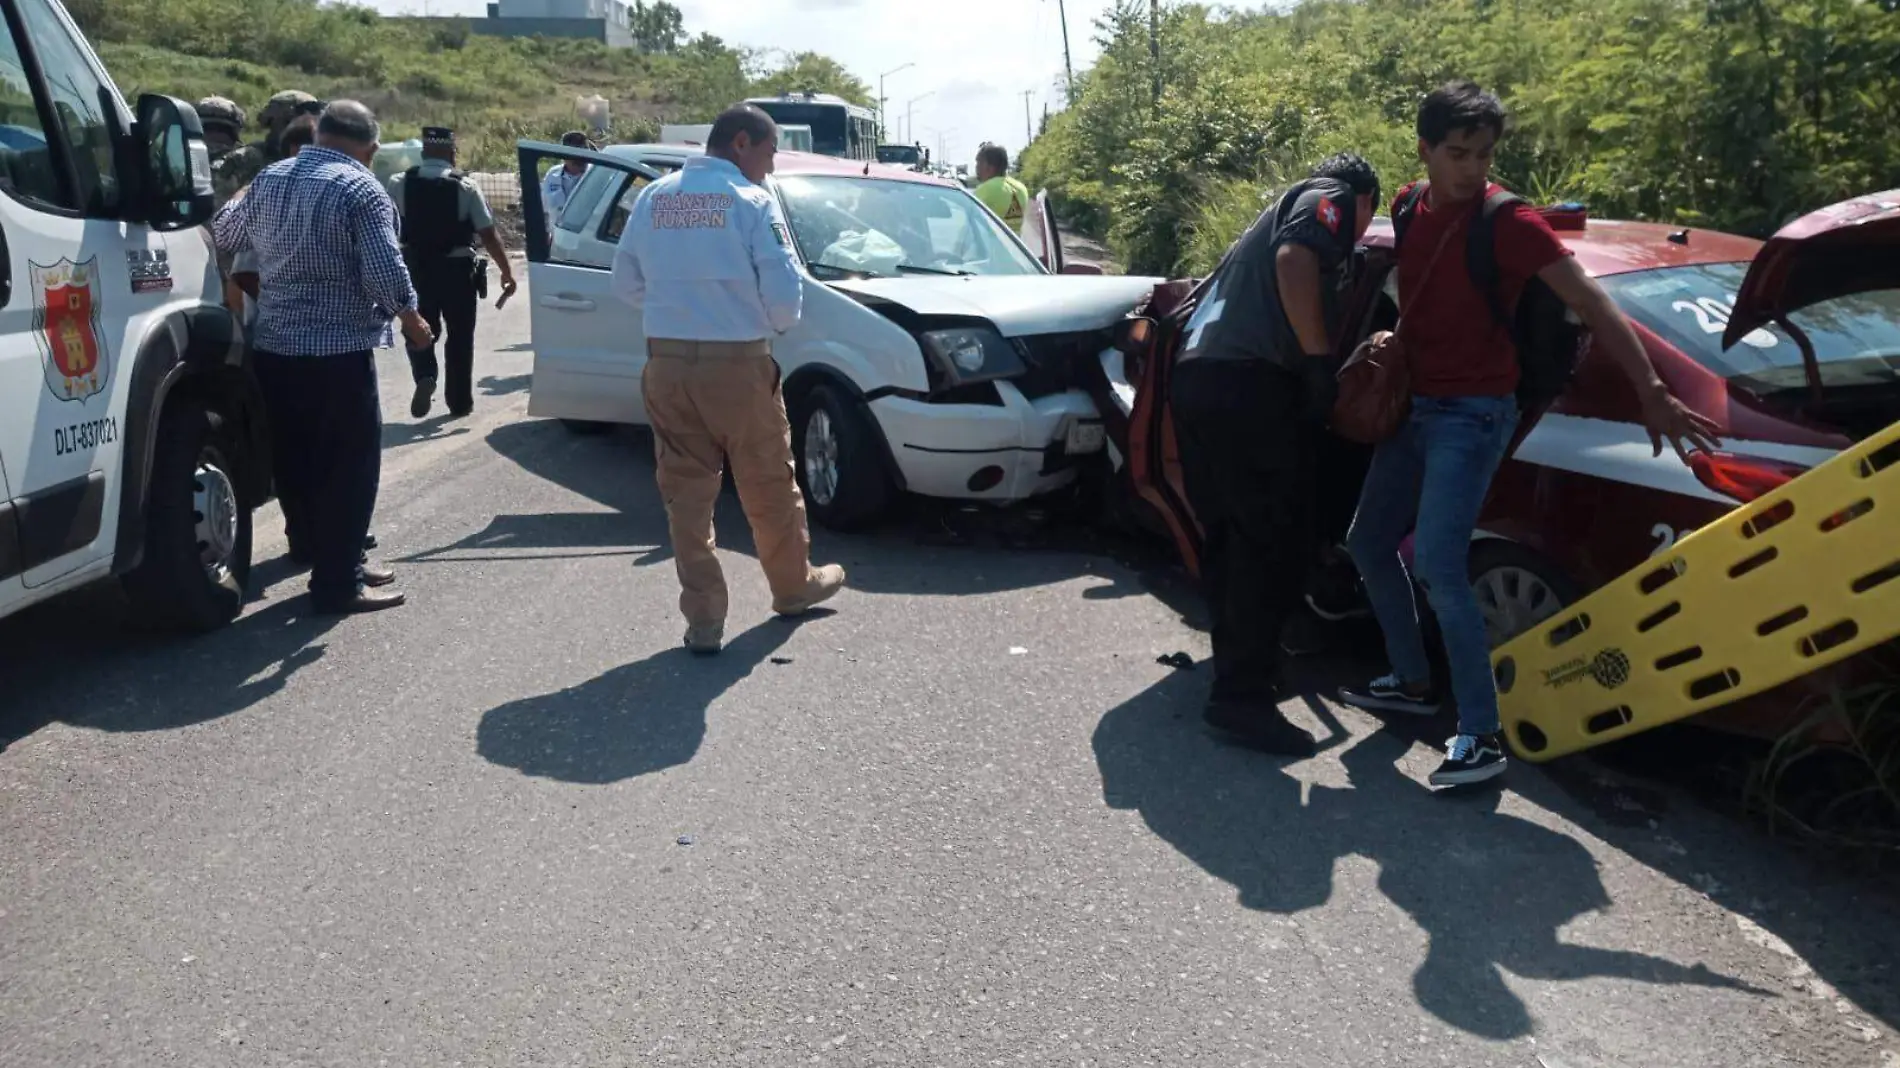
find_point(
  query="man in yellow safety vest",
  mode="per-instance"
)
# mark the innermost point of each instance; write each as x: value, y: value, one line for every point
x: 1004, y: 195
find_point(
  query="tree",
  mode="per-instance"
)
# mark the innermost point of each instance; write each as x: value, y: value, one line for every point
x: 1730, y: 114
x: 817, y: 73
x: 657, y: 27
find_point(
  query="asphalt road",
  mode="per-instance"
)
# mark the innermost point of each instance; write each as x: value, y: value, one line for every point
x: 964, y: 819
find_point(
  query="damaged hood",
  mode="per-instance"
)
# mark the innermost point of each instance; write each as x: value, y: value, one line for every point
x: 1018, y: 305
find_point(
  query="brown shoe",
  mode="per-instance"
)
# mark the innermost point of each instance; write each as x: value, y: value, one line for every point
x: 365, y: 600
x: 822, y: 586
x: 375, y: 574
x: 705, y: 639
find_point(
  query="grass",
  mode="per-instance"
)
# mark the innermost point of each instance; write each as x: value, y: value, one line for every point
x: 1834, y: 779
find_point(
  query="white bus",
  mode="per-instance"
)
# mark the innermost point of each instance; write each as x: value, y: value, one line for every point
x: 838, y: 127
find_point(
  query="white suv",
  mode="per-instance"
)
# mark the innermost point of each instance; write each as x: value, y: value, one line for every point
x: 132, y: 437
x: 937, y: 354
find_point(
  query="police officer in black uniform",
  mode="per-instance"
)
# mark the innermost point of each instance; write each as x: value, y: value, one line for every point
x: 1250, y: 398
x: 443, y: 213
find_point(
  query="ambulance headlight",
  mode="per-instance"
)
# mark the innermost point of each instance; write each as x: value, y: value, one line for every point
x: 971, y: 354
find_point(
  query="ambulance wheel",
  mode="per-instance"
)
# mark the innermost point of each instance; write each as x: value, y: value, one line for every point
x: 197, y: 560
x: 838, y: 461
x: 1517, y: 588
x: 585, y: 427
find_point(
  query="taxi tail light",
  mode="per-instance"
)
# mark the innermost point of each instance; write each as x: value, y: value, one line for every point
x: 1743, y: 478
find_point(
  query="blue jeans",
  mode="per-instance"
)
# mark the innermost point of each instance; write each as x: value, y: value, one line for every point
x: 1435, y: 472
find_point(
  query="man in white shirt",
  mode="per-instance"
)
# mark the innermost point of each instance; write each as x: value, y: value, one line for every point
x: 558, y: 187
x: 707, y: 257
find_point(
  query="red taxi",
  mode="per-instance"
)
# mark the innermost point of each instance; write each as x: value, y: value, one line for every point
x: 1792, y: 347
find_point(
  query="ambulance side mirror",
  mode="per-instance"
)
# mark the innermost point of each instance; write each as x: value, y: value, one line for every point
x: 174, y: 164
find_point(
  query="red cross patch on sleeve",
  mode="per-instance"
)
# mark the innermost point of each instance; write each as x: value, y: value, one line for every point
x: 1329, y: 214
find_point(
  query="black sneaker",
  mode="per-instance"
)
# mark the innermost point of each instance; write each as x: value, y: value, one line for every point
x: 423, y: 397
x: 1258, y: 726
x: 1387, y: 694
x: 1336, y: 594
x: 1471, y: 758
x: 1304, y: 635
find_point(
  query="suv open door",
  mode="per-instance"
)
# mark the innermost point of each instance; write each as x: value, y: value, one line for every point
x: 589, y: 346
x: 1044, y: 238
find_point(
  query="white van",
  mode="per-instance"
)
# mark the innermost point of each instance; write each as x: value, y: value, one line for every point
x: 132, y: 434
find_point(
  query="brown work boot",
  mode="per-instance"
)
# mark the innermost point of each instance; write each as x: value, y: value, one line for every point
x: 822, y: 586
x: 705, y: 639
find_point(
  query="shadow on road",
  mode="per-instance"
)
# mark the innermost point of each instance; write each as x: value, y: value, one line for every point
x: 1490, y: 890
x: 500, y: 385
x: 931, y: 548
x: 634, y: 720
x: 140, y: 681
x: 430, y: 428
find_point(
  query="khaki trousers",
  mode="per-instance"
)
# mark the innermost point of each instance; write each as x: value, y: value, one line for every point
x: 714, y: 403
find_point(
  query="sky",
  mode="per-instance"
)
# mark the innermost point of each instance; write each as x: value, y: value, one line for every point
x: 974, y: 58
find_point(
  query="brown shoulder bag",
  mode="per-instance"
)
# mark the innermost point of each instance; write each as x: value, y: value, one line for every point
x: 1375, y: 382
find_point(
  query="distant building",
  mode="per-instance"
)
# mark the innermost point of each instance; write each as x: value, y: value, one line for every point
x: 607, y: 21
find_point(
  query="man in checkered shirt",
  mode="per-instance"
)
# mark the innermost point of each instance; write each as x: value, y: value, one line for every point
x: 332, y: 280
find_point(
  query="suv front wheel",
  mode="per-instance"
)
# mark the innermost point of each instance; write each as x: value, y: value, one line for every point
x: 197, y: 561
x: 838, y: 459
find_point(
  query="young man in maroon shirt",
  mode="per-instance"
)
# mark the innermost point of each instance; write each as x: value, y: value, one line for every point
x: 1431, y: 479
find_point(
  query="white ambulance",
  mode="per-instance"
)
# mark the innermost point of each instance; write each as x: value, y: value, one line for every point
x: 132, y: 436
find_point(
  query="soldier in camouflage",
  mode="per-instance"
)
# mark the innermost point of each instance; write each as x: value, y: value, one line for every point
x: 223, y: 123
x: 238, y: 167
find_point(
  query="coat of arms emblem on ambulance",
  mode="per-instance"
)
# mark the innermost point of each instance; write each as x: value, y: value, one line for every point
x: 66, y: 325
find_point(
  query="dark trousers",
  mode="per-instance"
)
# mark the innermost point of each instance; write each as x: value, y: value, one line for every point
x: 1247, y: 455
x: 445, y: 295
x: 327, y: 454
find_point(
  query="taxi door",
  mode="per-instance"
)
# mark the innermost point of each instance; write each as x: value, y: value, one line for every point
x: 589, y: 345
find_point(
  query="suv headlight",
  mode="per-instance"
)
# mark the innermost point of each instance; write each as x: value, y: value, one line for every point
x: 971, y: 354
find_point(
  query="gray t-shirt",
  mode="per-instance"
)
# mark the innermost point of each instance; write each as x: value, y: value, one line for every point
x: 1239, y: 316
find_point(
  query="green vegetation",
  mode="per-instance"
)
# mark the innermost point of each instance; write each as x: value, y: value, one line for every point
x: 418, y: 72
x: 1733, y: 114
x: 1834, y: 779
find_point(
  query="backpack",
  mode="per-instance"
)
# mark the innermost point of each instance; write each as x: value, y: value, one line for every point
x: 1547, y: 339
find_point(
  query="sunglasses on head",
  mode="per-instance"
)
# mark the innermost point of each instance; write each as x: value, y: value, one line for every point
x: 312, y: 107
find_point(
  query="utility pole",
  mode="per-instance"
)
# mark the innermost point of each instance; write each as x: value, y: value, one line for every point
x: 1154, y: 48
x: 1029, y: 134
x: 883, y: 130
x: 910, y: 114
x: 1068, y: 67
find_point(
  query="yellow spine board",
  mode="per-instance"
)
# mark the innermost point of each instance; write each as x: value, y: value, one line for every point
x: 1807, y: 576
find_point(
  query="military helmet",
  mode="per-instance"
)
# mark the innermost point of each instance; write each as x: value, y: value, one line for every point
x: 284, y: 106
x: 219, y: 110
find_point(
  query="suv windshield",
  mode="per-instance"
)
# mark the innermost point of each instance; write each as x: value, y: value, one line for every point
x: 869, y: 226
x: 904, y: 154
x: 1856, y: 338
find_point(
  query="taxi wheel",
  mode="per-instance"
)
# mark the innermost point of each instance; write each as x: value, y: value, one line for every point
x: 197, y: 560
x: 836, y: 455
x: 1517, y: 588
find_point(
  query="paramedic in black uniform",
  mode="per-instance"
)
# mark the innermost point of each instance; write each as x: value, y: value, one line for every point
x: 443, y: 212
x: 1251, y: 394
